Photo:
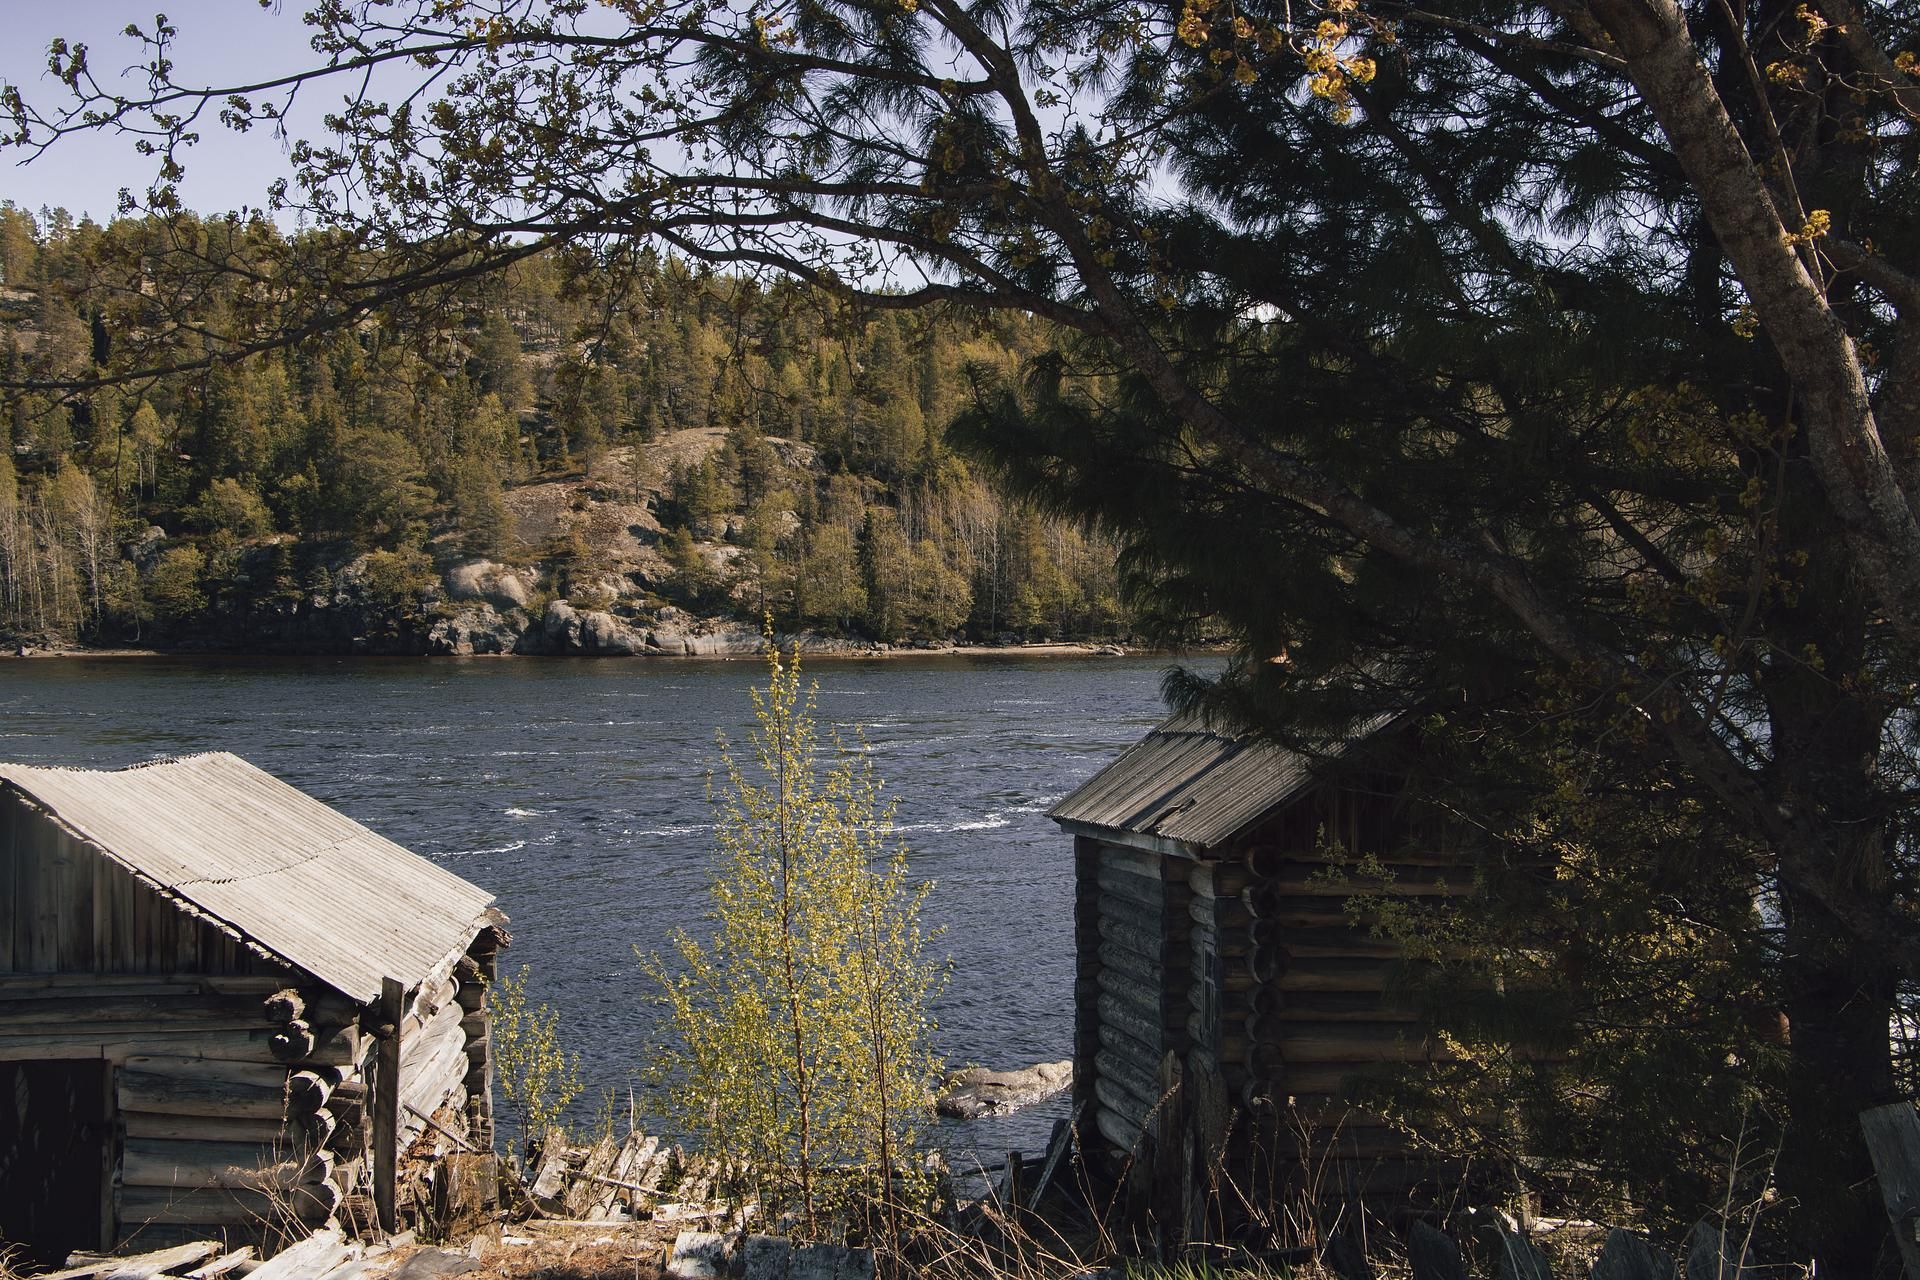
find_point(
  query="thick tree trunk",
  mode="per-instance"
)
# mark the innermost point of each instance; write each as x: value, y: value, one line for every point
x: 1839, y: 1001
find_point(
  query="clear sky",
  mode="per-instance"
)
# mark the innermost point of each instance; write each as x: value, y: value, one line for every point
x: 220, y: 40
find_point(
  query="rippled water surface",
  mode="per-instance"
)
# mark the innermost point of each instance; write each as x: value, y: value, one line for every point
x: 576, y: 791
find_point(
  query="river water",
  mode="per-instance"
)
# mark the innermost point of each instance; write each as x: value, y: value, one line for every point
x: 575, y: 790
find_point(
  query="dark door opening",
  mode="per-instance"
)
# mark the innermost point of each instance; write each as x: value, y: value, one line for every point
x: 56, y: 1152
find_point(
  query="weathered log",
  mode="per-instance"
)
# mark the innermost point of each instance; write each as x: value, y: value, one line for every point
x: 1143, y: 1000
x: 307, y: 1092
x: 1148, y: 922
x: 1268, y: 964
x: 435, y: 995
x: 1122, y: 1131
x: 228, y: 1207
x: 1131, y: 1074
x: 307, y: 1044
x: 97, y: 985
x: 1321, y: 880
x: 1222, y: 880
x: 319, y: 1128
x: 1147, y: 1029
x: 294, y: 1041
x: 1307, y: 943
x: 1327, y: 974
x: 1263, y: 860
x: 1119, y: 1041
x: 1137, y: 861
x: 150, y: 1163
x: 1145, y: 941
x: 385, y: 1125
x: 1358, y: 1042
x: 1146, y: 892
x: 1140, y: 968
x: 427, y: 1078
x: 1118, y: 1098
x: 284, y: 1005
x: 185, y: 1095
x: 253, y: 1075
x: 1333, y: 1006
x: 205, y: 1128
x: 126, y: 1015
x: 1219, y: 913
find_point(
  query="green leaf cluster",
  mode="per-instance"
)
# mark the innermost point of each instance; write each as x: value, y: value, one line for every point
x: 800, y: 1035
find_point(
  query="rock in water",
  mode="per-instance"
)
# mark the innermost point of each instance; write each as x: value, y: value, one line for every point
x: 976, y: 1092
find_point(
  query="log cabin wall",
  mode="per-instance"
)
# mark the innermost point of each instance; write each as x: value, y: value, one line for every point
x: 1216, y: 947
x: 98, y: 966
x: 1136, y: 971
x: 236, y: 1087
x: 1322, y: 1015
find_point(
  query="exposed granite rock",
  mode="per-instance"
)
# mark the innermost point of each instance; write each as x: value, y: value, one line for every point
x: 976, y: 1091
x: 496, y: 584
x: 477, y: 628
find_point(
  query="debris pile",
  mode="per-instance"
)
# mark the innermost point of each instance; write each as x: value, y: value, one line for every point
x: 636, y: 1179
x: 325, y: 1255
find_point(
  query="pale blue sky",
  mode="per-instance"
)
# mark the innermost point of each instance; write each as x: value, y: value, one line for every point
x: 220, y: 40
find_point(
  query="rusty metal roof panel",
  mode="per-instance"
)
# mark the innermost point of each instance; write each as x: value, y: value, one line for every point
x: 1195, y: 784
x: 293, y: 876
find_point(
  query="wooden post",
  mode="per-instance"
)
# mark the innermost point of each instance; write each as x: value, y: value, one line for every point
x: 1893, y: 1140
x: 386, y: 1104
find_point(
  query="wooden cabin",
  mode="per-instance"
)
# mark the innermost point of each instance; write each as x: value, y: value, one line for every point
x: 226, y: 1009
x: 1226, y: 1002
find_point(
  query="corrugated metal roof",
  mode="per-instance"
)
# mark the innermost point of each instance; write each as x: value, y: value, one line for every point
x: 302, y: 880
x: 1193, y: 784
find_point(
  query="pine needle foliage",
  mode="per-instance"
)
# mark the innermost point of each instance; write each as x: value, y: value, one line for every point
x: 800, y: 1038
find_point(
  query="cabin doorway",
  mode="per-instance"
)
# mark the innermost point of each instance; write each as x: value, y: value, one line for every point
x: 56, y: 1156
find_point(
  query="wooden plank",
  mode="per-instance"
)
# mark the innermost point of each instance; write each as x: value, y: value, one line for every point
x: 310, y: 1259
x: 1893, y: 1141
x: 386, y: 1105
x: 141, y: 1266
x: 223, y: 1264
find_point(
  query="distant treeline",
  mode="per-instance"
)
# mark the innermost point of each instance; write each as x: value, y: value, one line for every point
x: 153, y: 511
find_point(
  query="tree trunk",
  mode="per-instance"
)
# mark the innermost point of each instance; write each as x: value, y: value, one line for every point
x: 1839, y: 1002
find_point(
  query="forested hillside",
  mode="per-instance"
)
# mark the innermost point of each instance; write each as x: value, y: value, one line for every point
x: 545, y: 464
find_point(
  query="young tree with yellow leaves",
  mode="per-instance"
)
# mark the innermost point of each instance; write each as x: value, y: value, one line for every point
x: 800, y: 1034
